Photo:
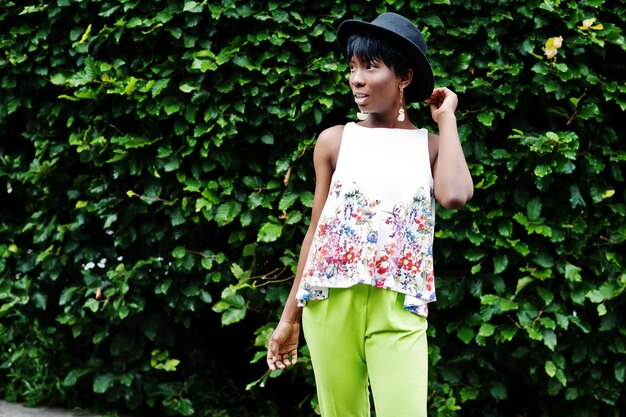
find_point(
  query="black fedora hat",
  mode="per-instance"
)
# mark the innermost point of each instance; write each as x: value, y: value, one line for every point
x: 402, y: 31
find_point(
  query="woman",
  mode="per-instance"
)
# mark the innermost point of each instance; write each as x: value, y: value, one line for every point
x: 365, y: 272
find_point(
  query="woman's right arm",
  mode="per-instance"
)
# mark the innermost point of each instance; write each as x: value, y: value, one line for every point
x: 283, y: 345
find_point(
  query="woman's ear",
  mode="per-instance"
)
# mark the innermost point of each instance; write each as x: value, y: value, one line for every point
x: 406, y: 80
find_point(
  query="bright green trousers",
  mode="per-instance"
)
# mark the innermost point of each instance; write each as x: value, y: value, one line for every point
x: 363, y: 334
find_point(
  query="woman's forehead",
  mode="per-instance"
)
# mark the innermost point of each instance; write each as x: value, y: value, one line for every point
x: 364, y: 60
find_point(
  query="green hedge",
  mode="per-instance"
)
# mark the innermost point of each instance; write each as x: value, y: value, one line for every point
x: 156, y: 179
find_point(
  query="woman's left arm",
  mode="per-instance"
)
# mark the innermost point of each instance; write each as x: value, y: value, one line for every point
x: 453, y: 181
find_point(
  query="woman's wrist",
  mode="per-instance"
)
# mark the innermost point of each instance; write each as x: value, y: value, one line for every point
x: 445, y: 117
x: 292, y: 315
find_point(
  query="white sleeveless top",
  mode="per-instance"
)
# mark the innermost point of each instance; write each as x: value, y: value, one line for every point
x: 377, y: 225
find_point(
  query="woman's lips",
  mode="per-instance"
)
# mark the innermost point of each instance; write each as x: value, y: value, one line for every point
x: 360, y: 98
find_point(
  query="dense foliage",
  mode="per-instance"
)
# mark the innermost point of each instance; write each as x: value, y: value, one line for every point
x: 156, y: 179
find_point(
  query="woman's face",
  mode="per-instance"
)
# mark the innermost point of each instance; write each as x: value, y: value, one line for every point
x: 375, y: 86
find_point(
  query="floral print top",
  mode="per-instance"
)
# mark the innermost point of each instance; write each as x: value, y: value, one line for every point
x: 377, y: 225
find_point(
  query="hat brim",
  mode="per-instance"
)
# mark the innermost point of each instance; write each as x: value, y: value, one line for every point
x: 423, y: 83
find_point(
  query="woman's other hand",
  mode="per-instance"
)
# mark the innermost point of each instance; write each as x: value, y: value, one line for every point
x: 442, y: 101
x: 283, y: 346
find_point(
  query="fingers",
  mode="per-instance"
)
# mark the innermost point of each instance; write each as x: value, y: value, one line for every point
x: 439, y: 95
x: 442, y: 91
x: 435, y: 100
x: 271, y: 356
x: 282, y: 361
x: 286, y: 361
x: 279, y: 360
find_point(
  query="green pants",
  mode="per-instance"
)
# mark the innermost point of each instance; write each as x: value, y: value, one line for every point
x: 362, y: 334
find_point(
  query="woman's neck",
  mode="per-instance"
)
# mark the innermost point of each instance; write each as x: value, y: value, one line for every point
x: 389, y: 121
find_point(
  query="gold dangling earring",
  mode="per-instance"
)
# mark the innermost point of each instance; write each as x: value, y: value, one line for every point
x: 401, y: 111
x: 361, y: 116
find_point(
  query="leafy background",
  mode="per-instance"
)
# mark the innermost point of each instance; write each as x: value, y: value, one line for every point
x: 156, y: 182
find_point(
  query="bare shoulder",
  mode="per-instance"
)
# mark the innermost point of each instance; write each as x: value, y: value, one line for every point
x: 331, y: 136
x: 328, y: 144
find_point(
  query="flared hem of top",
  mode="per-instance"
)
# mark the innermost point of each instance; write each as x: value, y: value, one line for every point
x: 412, y: 303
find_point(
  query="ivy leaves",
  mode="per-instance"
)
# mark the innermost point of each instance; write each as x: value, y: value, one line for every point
x: 157, y: 172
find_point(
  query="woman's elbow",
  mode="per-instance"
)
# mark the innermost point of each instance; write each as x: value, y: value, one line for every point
x: 455, y: 200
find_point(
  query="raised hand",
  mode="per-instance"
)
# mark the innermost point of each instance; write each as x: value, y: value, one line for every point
x: 442, y: 101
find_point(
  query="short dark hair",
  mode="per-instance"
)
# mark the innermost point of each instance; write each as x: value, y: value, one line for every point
x: 367, y: 48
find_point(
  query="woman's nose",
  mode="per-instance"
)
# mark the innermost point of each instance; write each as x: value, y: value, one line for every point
x: 356, y: 78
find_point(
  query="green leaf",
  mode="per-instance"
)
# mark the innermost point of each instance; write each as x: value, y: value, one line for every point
x: 130, y: 86
x: 287, y: 200
x: 522, y: 283
x: 500, y: 262
x: 620, y: 371
x: 71, y: 378
x: 159, y: 86
x: 179, y: 252
x: 184, y: 406
x: 576, y: 197
x: 227, y: 212
x: 550, y: 369
x: 489, y: 299
x: 549, y: 339
x: 102, y: 383
x: 67, y: 295
x: 486, y: 330
x: 534, y: 209
x: 58, y: 79
x: 233, y: 315
x: 237, y: 271
x: 188, y: 87
x: 193, y: 7
x: 508, y: 305
x: 133, y: 141
x: 466, y: 334
x: 92, y: 304
x: 39, y: 300
x: 498, y: 391
x: 486, y: 117
x: 468, y: 394
x: 508, y: 333
x: 294, y: 217
x: 542, y: 170
x: 474, y: 254
x: 270, y: 232
x: 572, y: 273
x: 163, y: 286
x: 307, y: 199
